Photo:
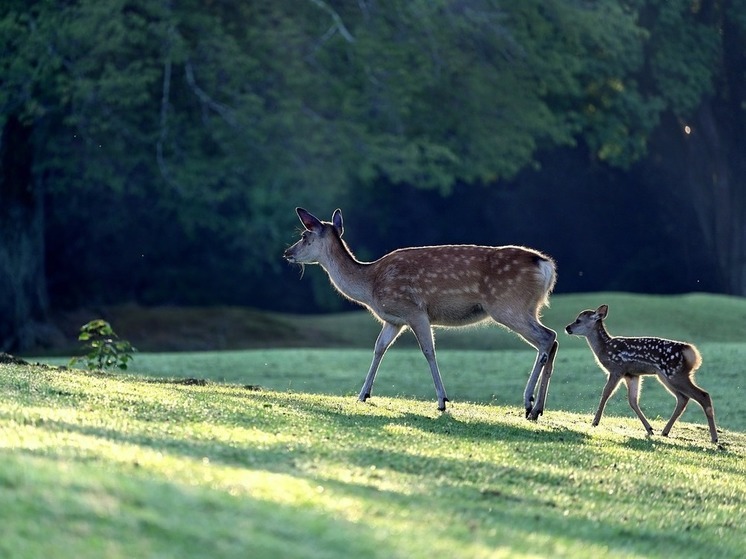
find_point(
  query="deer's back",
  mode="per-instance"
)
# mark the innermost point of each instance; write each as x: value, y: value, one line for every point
x: 459, y: 284
x: 650, y: 356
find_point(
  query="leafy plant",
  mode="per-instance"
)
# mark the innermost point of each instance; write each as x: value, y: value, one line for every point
x: 105, y: 349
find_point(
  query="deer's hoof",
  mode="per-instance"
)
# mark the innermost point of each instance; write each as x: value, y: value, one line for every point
x: 534, y: 414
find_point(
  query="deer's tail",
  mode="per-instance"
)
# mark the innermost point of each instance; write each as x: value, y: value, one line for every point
x: 692, y: 358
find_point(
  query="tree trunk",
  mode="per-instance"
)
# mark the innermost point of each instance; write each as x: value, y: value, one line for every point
x: 717, y: 160
x: 716, y: 175
x: 23, y: 299
x: 702, y: 162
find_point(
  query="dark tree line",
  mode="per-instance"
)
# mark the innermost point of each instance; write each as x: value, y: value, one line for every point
x: 154, y: 152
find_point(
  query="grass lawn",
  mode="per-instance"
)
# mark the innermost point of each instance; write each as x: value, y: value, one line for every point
x: 155, y: 464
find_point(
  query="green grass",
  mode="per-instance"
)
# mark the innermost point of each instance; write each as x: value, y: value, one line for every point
x: 693, y: 317
x: 148, y: 465
x: 698, y: 317
x: 105, y: 466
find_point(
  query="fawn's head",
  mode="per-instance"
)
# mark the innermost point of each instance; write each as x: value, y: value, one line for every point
x: 315, y: 238
x: 586, y: 321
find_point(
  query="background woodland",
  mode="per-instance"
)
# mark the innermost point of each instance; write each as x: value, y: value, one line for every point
x: 153, y: 152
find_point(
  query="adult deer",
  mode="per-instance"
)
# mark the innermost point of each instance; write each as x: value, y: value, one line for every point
x: 674, y: 363
x: 449, y: 285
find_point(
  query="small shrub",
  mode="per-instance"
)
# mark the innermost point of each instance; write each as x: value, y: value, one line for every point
x: 104, y: 348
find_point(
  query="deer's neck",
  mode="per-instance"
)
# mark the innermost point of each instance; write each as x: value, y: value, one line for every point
x: 599, y: 338
x: 348, y: 275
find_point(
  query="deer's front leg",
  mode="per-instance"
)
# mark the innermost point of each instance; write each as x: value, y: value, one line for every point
x: 611, y: 384
x: 388, y: 335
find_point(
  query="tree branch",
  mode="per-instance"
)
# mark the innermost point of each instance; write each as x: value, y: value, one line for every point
x: 338, y: 23
x: 223, y: 110
x: 166, y: 93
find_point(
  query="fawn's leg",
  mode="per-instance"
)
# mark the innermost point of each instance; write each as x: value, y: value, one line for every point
x: 388, y: 334
x: 633, y: 395
x: 685, y: 385
x: 681, y: 402
x: 611, y: 384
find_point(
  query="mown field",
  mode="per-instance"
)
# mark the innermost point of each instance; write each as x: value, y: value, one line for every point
x: 267, y: 453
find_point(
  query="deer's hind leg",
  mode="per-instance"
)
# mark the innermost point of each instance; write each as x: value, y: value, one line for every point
x: 423, y: 331
x: 681, y: 403
x: 546, y: 375
x: 684, y: 387
x: 544, y: 340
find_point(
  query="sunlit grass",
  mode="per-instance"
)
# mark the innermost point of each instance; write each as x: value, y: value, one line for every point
x: 98, y: 465
x: 469, y: 376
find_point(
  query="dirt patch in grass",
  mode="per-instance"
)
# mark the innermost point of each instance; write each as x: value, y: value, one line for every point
x: 8, y: 359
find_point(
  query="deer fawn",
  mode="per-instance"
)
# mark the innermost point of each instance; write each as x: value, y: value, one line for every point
x: 450, y: 285
x: 673, y: 362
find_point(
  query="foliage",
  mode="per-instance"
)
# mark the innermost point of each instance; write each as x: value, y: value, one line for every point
x: 316, y: 99
x: 206, y: 122
x: 297, y: 475
x: 105, y: 349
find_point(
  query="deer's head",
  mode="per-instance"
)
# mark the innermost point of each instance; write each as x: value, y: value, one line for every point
x: 315, y: 239
x: 586, y: 321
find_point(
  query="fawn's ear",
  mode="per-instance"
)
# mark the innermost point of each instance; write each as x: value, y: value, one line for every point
x: 602, y: 311
x: 337, y: 221
x: 308, y: 220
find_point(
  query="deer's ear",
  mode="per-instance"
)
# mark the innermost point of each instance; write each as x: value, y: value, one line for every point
x: 308, y: 220
x: 337, y: 221
x: 602, y: 311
